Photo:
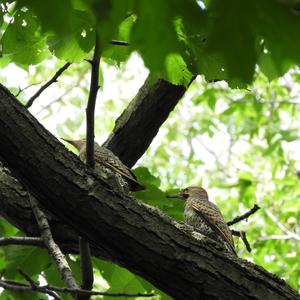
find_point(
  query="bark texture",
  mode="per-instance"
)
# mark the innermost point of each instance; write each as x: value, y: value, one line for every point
x: 183, y: 264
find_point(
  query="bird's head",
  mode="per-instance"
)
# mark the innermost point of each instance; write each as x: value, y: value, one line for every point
x: 191, y: 191
x: 78, y: 144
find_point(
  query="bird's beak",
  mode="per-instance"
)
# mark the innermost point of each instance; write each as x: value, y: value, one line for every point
x: 177, y: 196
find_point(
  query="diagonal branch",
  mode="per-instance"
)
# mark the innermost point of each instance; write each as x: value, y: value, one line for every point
x: 244, y: 216
x: 47, y: 84
x: 53, y: 249
x: 140, y: 121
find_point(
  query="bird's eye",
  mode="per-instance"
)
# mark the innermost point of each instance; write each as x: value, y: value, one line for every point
x: 185, y: 193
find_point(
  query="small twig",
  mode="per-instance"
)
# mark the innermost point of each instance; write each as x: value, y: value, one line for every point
x: 26, y: 241
x: 275, y: 237
x: 47, y: 84
x: 90, y: 110
x: 242, y: 235
x: 21, y: 288
x: 86, y: 267
x: 27, y: 278
x: 53, y: 249
x: 281, y: 226
x: 244, y: 216
x: 27, y: 87
x: 119, y: 43
x: 46, y: 289
x: 80, y: 76
x: 33, y: 285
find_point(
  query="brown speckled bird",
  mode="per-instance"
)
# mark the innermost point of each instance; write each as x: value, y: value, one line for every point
x: 204, y: 216
x: 106, y: 158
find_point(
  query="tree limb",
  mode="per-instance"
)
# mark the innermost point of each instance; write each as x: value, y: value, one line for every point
x: 29, y: 241
x: 140, y: 121
x: 53, y: 249
x: 183, y: 264
x: 47, y: 84
x: 49, y: 289
x: 244, y: 216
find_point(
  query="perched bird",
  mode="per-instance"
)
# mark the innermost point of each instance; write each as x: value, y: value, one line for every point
x: 107, y: 159
x: 204, y: 216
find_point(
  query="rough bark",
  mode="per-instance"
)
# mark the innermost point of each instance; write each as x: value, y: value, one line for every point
x: 138, y: 237
x: 140, y: 122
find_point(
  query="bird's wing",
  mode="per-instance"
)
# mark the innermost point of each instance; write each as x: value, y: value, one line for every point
x: 212, y: 215
x: 107, y: 158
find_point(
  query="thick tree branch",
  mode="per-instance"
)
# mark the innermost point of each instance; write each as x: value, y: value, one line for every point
x: 47, y: 84
x: 185, y: 265
x: 139, y: 123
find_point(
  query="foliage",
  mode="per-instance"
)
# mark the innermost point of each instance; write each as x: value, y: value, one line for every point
x: 173, y: 37
x: 240, y: 144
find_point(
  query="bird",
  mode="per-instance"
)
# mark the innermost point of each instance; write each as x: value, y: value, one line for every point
x: 104, y: 157
x: 204, y: 216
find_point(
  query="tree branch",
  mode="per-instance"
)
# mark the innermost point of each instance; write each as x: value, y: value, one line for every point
x: 86, y: 264
x: 242, y: 235
x: 53, y: 249
x: 49, y: 289
x: 29, y: 241
x: 139, y: 123
x: 136, y: 236
x: 119, y: 43
x: 244, y: 216
x: 90, y: 110
x: 47, y: 84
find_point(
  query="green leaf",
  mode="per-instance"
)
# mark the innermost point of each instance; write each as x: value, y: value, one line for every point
x: 231, y: 37
x: 75, y: 45
x: 54, y: 15
x: 145, y: 177
x: 22, y: 41
x: 30, y: 259
x: 154, y: 34
x: 177, y: 71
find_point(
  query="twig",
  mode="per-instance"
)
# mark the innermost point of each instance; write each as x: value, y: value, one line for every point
x: 242, y: 235
x: 20, y: 287
x: 281, y: 226
x: 119, y: 43
x: 27, y: 87
x: 47, y: 84
x: 27, y: 278
x: 28, y: 241
x: 244, y: 216
x: 53, y: 249
x: 275, y: 237
x: 80, y: 76
x: 34, y: 286
x: 86, y: 267
x: 90, y: 110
